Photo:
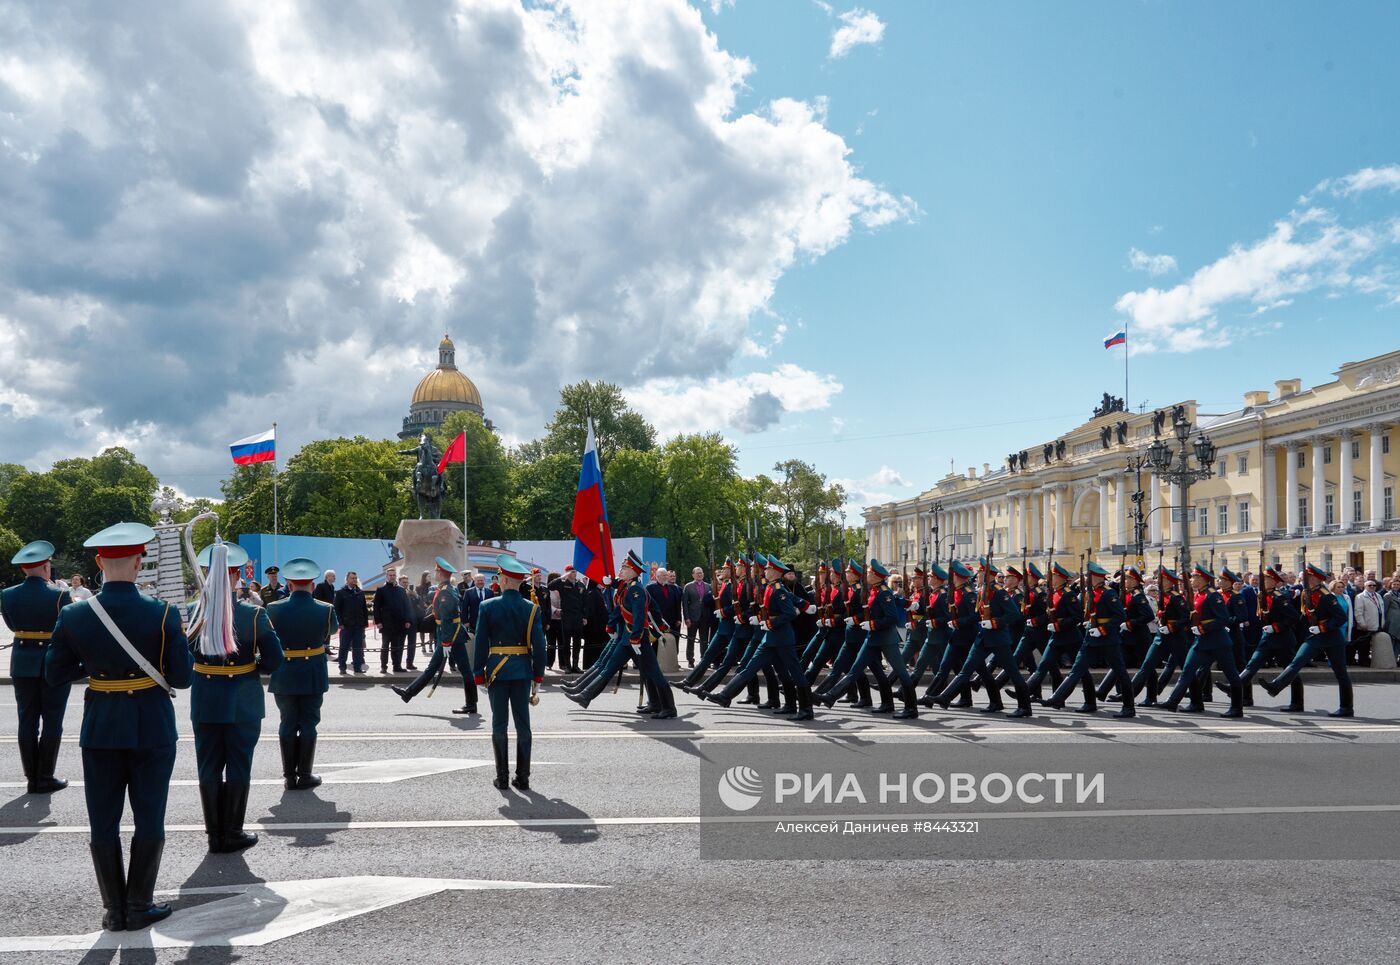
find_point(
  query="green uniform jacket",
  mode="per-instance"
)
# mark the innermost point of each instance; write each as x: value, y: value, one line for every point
x: 223, y: 699
x: 302, y: 623
x: 82, y: 647
x: 447, y: 606
x: 502, y: 622
x: 31, y: 607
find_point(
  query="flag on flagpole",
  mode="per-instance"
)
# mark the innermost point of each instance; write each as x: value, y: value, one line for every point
x: 593, y: 555
x: 259, y: 448
x: 1117, y: 338
x: 456, y: 451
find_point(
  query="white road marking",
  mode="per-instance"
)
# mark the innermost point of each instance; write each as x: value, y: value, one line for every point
x: 353, y: 772
x: 262, y: 913
x: 694, y: 819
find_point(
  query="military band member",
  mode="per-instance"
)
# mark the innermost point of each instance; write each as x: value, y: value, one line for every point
x: 451, y: 639
x: 997, y: 611
x: 305, y: 627
x: 227, y: 705
x: 30, y: 611
x: 1279, y: 616
x: 1171, y: 642
x: 1210, y: 625
x: 134, y: 653
x: 1139, y: 624
x: 1102, y: 619
x: 1324, y: 618
x: 962, y: 625
x: 510, y: 661
x: 882, y: 620
x: 1064, y: 611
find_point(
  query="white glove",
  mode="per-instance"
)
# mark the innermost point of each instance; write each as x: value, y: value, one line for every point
x: 1153, y: 627
x: 1052, y: 625
x: 1314, y: 630
x: 1085, y: 623
x: 1196, y: 631
x: 719, y: 614
x: 1266, y: 631
x: 985, y: 624
x: 1124, y: 627
x: 850, y: 621
x: 869, y: 626
x: 1095, y: 632
x: 809, y: 608
x: 916, y: 606
x: 753, y: 621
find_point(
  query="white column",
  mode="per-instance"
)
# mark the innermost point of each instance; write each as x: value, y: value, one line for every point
x: 1122, y: 498
x: 1062, y: 510
x: 1178, y: 518
x: 1375, y: 481
x: 1270, y: 520
x: 1290, y: 486
x: 1319, y: 486
x: 1102, y: 485
x: 1344, y: 482
x: 1047, y: 522
x: 1156, y: 526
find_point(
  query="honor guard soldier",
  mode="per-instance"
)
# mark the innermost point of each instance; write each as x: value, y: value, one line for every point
x: 1064, y: 611
x: 883, y: 617
x: 1034, y: 603
x: 917, y: 606
x: 962, y: 630
x: 1325, y: 620
x: 134, y: 653
x: 1172, y: 640
x: 234, y: 645
x: 1210, y: 625
x: 1139, y: 622
x: 935, y: 611
x: 724, y: 629
x: 304, y: 625
x: 510, y: 661
x: 1102, y: 618
x: 451, y: 639
x: 30, y: 610
x: 997, y: 610
x: 853, y: 638
x: 1241, y: 609
x: 1278, y: 615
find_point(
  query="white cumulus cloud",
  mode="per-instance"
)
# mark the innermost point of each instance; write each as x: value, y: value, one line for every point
x: 858, y: 27
x: 744, y: 403
x: 1152, y: 264
x: 1367, y: 179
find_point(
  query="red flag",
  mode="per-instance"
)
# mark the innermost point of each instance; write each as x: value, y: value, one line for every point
x: 456, y: 451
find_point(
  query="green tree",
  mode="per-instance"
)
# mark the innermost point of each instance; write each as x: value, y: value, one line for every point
x: 247, y: 501
x: 34, y: 509
x: 802, y: 499
x: 349, y: 488
x: 488, y: 469
x: 9, y: 546
x: 544, y: 497
x: 634, y: 484
x: 9, y: 472
x: 86, y: 511
x: 616, y: 425
x: 702, y: 489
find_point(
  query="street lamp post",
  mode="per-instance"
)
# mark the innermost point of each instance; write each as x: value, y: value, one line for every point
x: 1160, y: 457
x: 937, y: 540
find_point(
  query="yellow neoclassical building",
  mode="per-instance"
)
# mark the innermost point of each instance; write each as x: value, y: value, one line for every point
x: 1297, y: 469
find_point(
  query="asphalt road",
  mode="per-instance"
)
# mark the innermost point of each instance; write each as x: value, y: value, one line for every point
x: 616, y: 805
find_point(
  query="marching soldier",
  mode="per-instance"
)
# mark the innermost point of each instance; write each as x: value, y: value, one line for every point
x: 934, y: 609
x: 738, y: 641
x: 510, y: 661
x: 831, y: 625
x: 1138, y: 623
x: 1210, y: 625
x: 821, y: 587
x: 777, y: 646
x: 759, y: 569
x: 451, y: 641
x: 1241, y: 613
x: 997, y: 610
x: 1102, y: 617
x: 134, y: 653
x: 305, y: 626
x: 724, y: 629
x: 1171, y: 642
x: 853, y: 640
x: 882, y: 640
x: 962, y: 627
x: 1278, y: 615
x: 1064, y: 612
x: 30, y: 610
x: 1033, y: 635
x: 917, y: 606
x: 1325, y: 620
x: 226, y: 697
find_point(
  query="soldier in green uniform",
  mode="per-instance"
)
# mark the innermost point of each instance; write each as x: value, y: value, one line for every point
x: 510, y: 659
x: 1210, y: 625
x: 304, y: 626
x: 134, y: 653
x: 226, y: 699
x: 1103, y: 615
x: 30, y: 610
x: 1325, y: 620
x: 451, y: 639
x: 1278, y: 613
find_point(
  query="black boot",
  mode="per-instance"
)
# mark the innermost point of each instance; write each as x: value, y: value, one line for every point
x: 402, y: 692
x: 29, y: 760
x: 469, y: 706
x: 862, y: 693
x: 804, y: 704
x: 141, y: 873
x: 522, y: 768
x: 1296, y: 704
x: 789, y: 700
x: 289, y: 761
x: 306, y: 757
x: 752, y: 696
x: 500, y: 747
x: 653, y: 703
x: 233, y: 808
x: 111, y: 883
x: 46, y: 762
x: 911, y: 709
x: 774, y: 701
x: 213, y: 827
x: 1345, y: 701
x: 668, y: 703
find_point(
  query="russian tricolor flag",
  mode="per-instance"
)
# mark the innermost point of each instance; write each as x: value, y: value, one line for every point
x: 259, y: 448
x: 593, y: 555
x: 1118, y: 338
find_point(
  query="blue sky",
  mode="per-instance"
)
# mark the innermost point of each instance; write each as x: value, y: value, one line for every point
x: 880, y: 237
x: 1043, y: 143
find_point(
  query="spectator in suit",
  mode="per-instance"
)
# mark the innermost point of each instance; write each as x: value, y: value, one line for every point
x: 325, y: 590
x: 352, y: 609
x: 666, y: 604
x: 393, y: 617
x: 697, y: 607
x: 410, y: 646
x: 472, y: 598
x: 569, y: 597
x: 1367, y: 615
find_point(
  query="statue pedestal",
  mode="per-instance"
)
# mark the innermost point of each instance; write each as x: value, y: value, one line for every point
x: 421, y: 541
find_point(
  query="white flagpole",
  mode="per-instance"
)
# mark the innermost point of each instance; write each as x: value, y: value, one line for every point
x: 275, y: 522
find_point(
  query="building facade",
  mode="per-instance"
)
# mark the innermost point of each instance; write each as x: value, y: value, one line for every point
x: 441, y: 392
x: 1297, y: 470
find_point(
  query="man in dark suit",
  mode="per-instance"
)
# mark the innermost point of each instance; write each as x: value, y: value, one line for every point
x: 697, y: 606
x: 596, y: 632
x: 572, y: 620
x: 325, y: 590
x: 665, y: 598
x: 393, y: 615
x: 472, y: 598
x: 352, y: 610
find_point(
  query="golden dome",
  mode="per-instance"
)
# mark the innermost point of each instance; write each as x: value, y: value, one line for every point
x: 445, y: 343
x: 446, y: 385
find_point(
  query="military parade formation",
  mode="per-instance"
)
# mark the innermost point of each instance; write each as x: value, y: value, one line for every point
x: 966, y: 628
